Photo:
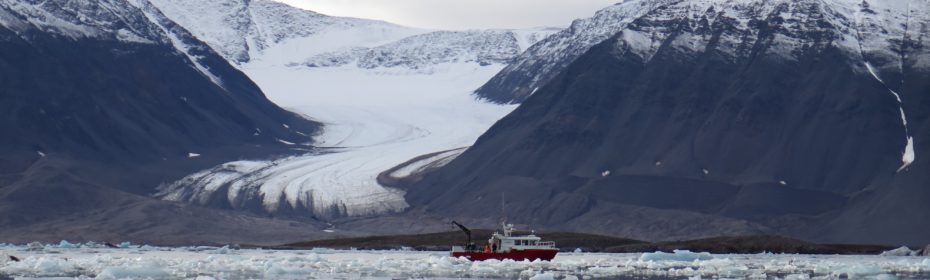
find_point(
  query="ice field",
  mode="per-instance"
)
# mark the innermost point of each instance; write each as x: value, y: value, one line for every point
x: 144, y: 262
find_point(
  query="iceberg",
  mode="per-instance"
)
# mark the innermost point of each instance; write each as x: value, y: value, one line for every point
x: 64, y: 244
x: 901, y: 251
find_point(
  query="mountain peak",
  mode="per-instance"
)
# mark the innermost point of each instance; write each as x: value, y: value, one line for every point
x: 875, y: 29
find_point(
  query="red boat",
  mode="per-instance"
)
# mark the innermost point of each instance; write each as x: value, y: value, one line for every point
x: 505, y: 245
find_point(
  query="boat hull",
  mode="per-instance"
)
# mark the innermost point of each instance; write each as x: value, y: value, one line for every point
x: 517, y: 255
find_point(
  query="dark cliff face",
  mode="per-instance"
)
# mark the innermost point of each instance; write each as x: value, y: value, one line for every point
x: 121, y: 101
x: 689, y: 126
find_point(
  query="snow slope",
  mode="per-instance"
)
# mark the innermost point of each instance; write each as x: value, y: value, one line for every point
x: 385, y: 93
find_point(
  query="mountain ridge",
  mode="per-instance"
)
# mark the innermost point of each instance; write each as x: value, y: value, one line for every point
x: 741, y: 117
x: 105, y: 100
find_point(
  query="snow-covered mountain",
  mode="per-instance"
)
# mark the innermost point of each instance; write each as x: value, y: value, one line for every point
x: 136, y: 30
x: 124, y: 21
x: 100, y: 101
x: 734, y: 116
x: 484, y: 47
x: 244, y: 30
x: 276, y: 33
x: 386, y: 94
x: 541, y: 62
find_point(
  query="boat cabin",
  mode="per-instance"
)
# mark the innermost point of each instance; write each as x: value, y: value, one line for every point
x: 506, y: 242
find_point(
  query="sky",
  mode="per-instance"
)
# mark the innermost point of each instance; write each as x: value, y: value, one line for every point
x: 461, y: 14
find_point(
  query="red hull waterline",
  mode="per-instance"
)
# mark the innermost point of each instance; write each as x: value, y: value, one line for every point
x: 517, y: 255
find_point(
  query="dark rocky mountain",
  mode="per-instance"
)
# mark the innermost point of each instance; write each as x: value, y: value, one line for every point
x: 541, y: 62
x: 100, y: 101
x: 702, y: 118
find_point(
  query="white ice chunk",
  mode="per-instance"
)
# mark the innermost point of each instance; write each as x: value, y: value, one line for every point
x: 145, y: 271
x: 64, y: 244
x: 901, y: 251
x: 676, y: 255
x: 544, y: 276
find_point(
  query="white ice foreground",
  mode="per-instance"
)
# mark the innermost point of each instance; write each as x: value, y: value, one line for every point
x: 222, y: 263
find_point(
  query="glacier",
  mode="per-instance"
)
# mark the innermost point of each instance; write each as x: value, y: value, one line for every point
x: 381, y: 100
x: 137, y: 262
x: 371, y: 127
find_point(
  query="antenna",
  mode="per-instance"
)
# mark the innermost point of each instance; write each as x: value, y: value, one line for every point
x: 503, y: 209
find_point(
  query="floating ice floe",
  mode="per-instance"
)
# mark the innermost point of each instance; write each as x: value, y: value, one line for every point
x: 901, y: 251
x: 676, y: 255
x: 223, y: 263
x: 64, y: 244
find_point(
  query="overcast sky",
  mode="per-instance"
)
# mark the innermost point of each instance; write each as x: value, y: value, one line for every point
x: 461, y: 14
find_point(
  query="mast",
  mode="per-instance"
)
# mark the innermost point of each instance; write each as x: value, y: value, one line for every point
x: 507, y: 228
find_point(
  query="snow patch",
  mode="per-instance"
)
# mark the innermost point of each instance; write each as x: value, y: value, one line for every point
x: 908, y: 156
x: 128, y: 36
